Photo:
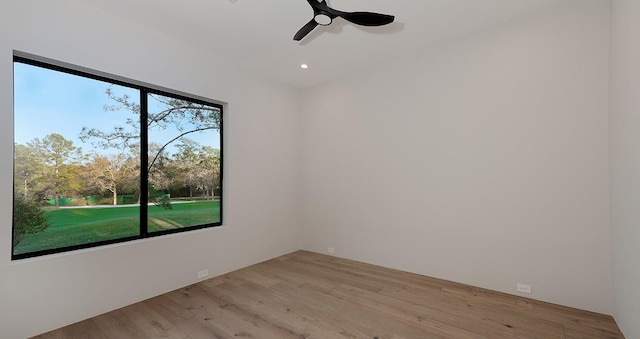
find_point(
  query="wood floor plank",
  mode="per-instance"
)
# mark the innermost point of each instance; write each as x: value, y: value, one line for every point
x: 168, y: 308
x: 400, y: 311
x: 118, y: 324
x: 310, y: 295
x: 427, y: 315
x: 232, y: 319
x: 348, y: 319
x: 86, y: 329
x: 150, y: 321
x: 281, y: 309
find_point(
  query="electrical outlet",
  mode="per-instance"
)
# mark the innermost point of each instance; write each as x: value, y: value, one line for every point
x: 203, y: 274
x: 331, y: 250
x: 523, y: 288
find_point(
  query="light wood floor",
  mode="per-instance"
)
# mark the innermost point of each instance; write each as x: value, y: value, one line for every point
x: 309, y: 295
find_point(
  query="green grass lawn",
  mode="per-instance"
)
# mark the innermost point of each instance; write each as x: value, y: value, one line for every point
x: 75, y: 226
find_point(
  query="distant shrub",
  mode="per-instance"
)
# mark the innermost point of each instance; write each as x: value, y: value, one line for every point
x: 28, y: 218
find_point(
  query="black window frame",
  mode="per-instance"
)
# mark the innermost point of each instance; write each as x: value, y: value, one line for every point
x: 145, y: 90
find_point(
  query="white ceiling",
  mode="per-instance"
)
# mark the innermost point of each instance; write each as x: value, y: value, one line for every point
x: 259, y: 33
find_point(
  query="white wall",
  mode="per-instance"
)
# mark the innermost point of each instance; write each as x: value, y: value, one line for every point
x: 261, y: 173
x: 625, y: 163
x: 482, y: 161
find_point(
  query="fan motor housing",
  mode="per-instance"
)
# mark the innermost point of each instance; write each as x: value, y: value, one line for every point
x: 322, y: 19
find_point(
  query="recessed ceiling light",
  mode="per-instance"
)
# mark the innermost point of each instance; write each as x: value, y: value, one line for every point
x: 304, y: 66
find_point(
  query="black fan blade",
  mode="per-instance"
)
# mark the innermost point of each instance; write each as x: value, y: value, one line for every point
x: 368, y: 18
x: 306, y: 29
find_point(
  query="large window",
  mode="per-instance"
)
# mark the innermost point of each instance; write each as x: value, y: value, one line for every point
x: 99, y: 160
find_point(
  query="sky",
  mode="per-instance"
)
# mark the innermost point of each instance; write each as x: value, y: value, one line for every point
x: 47, y: 101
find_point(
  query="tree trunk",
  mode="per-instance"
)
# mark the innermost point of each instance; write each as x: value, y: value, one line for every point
x: 115, y: 197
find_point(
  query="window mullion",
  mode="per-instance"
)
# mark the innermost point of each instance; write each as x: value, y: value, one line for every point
x: 144, y: 163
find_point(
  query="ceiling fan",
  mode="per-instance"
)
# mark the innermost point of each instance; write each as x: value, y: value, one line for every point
x: 323, y: 15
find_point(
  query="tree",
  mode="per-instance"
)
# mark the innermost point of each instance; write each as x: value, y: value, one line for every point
x: 160, y: 178
x: 187, y: 164
x: 197, y: 167
x: 210, y: 170
x: 28, y: 169
x: 164, y: 114
x: 108, y: 172
x: 185, y: 116
x: 28, y: 218
x: 58, y: 155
